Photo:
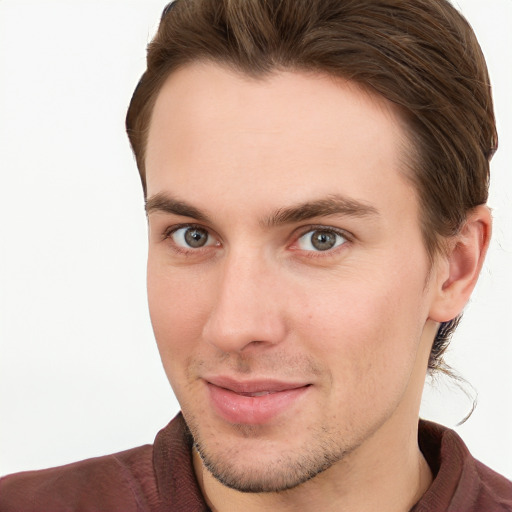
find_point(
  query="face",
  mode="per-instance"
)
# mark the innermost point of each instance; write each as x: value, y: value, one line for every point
x: 287, y: 275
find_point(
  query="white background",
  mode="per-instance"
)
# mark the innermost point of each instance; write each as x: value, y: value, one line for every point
x: 80, y: 375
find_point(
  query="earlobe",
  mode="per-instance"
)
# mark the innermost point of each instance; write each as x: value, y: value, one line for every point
x: 459, y: 269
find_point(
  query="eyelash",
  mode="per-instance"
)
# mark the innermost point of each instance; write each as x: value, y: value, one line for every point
x: 167, y: 235
x: 303, y: 231
x: 327, y: 229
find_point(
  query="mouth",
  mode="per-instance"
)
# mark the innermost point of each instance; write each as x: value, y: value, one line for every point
x: 253, y: 402
x: 259, y: 393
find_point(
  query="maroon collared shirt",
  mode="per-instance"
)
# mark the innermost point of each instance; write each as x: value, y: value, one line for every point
x: 161, y: 478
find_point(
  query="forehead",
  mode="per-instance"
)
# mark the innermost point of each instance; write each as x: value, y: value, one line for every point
x: 213, y: 128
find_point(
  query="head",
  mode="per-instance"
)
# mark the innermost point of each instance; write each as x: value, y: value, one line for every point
x: 416, y: 71
x: 422, y: 56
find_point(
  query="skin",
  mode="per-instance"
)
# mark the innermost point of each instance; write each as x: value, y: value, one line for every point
x: 354, y: 323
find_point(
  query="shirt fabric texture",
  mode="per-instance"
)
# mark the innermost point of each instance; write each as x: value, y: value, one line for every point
x: 160, y: 477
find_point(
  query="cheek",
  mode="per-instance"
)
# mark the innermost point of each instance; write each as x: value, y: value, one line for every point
x: 366, y: 330
x: 177, y: 306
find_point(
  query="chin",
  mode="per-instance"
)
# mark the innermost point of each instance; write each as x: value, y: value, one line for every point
x: 281, y: 473
x: 250, y: 463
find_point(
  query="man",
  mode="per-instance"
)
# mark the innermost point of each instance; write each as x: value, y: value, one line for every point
x: 315, y: 176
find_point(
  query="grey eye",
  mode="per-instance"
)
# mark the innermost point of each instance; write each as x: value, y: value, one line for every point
x: 320, y: 240
x: 191, y: 237
x: 323, y: 241
x: 196, y: 237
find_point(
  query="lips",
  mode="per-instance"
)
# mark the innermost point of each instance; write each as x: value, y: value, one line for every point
x: 253, y: 402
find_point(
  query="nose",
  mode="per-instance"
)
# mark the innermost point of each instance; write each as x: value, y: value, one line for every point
x: 248, y: 307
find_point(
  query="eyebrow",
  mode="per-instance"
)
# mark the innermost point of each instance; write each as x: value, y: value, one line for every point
x: 166, y: 204
x: 332, y: 205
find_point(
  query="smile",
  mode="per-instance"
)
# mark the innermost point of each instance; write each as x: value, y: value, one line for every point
x: 255, y: 402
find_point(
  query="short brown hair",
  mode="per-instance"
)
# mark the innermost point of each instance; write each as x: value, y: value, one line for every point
x: 422, y: 55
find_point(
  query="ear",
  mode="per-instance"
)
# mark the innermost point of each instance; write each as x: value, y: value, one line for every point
x: 458, y: 270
